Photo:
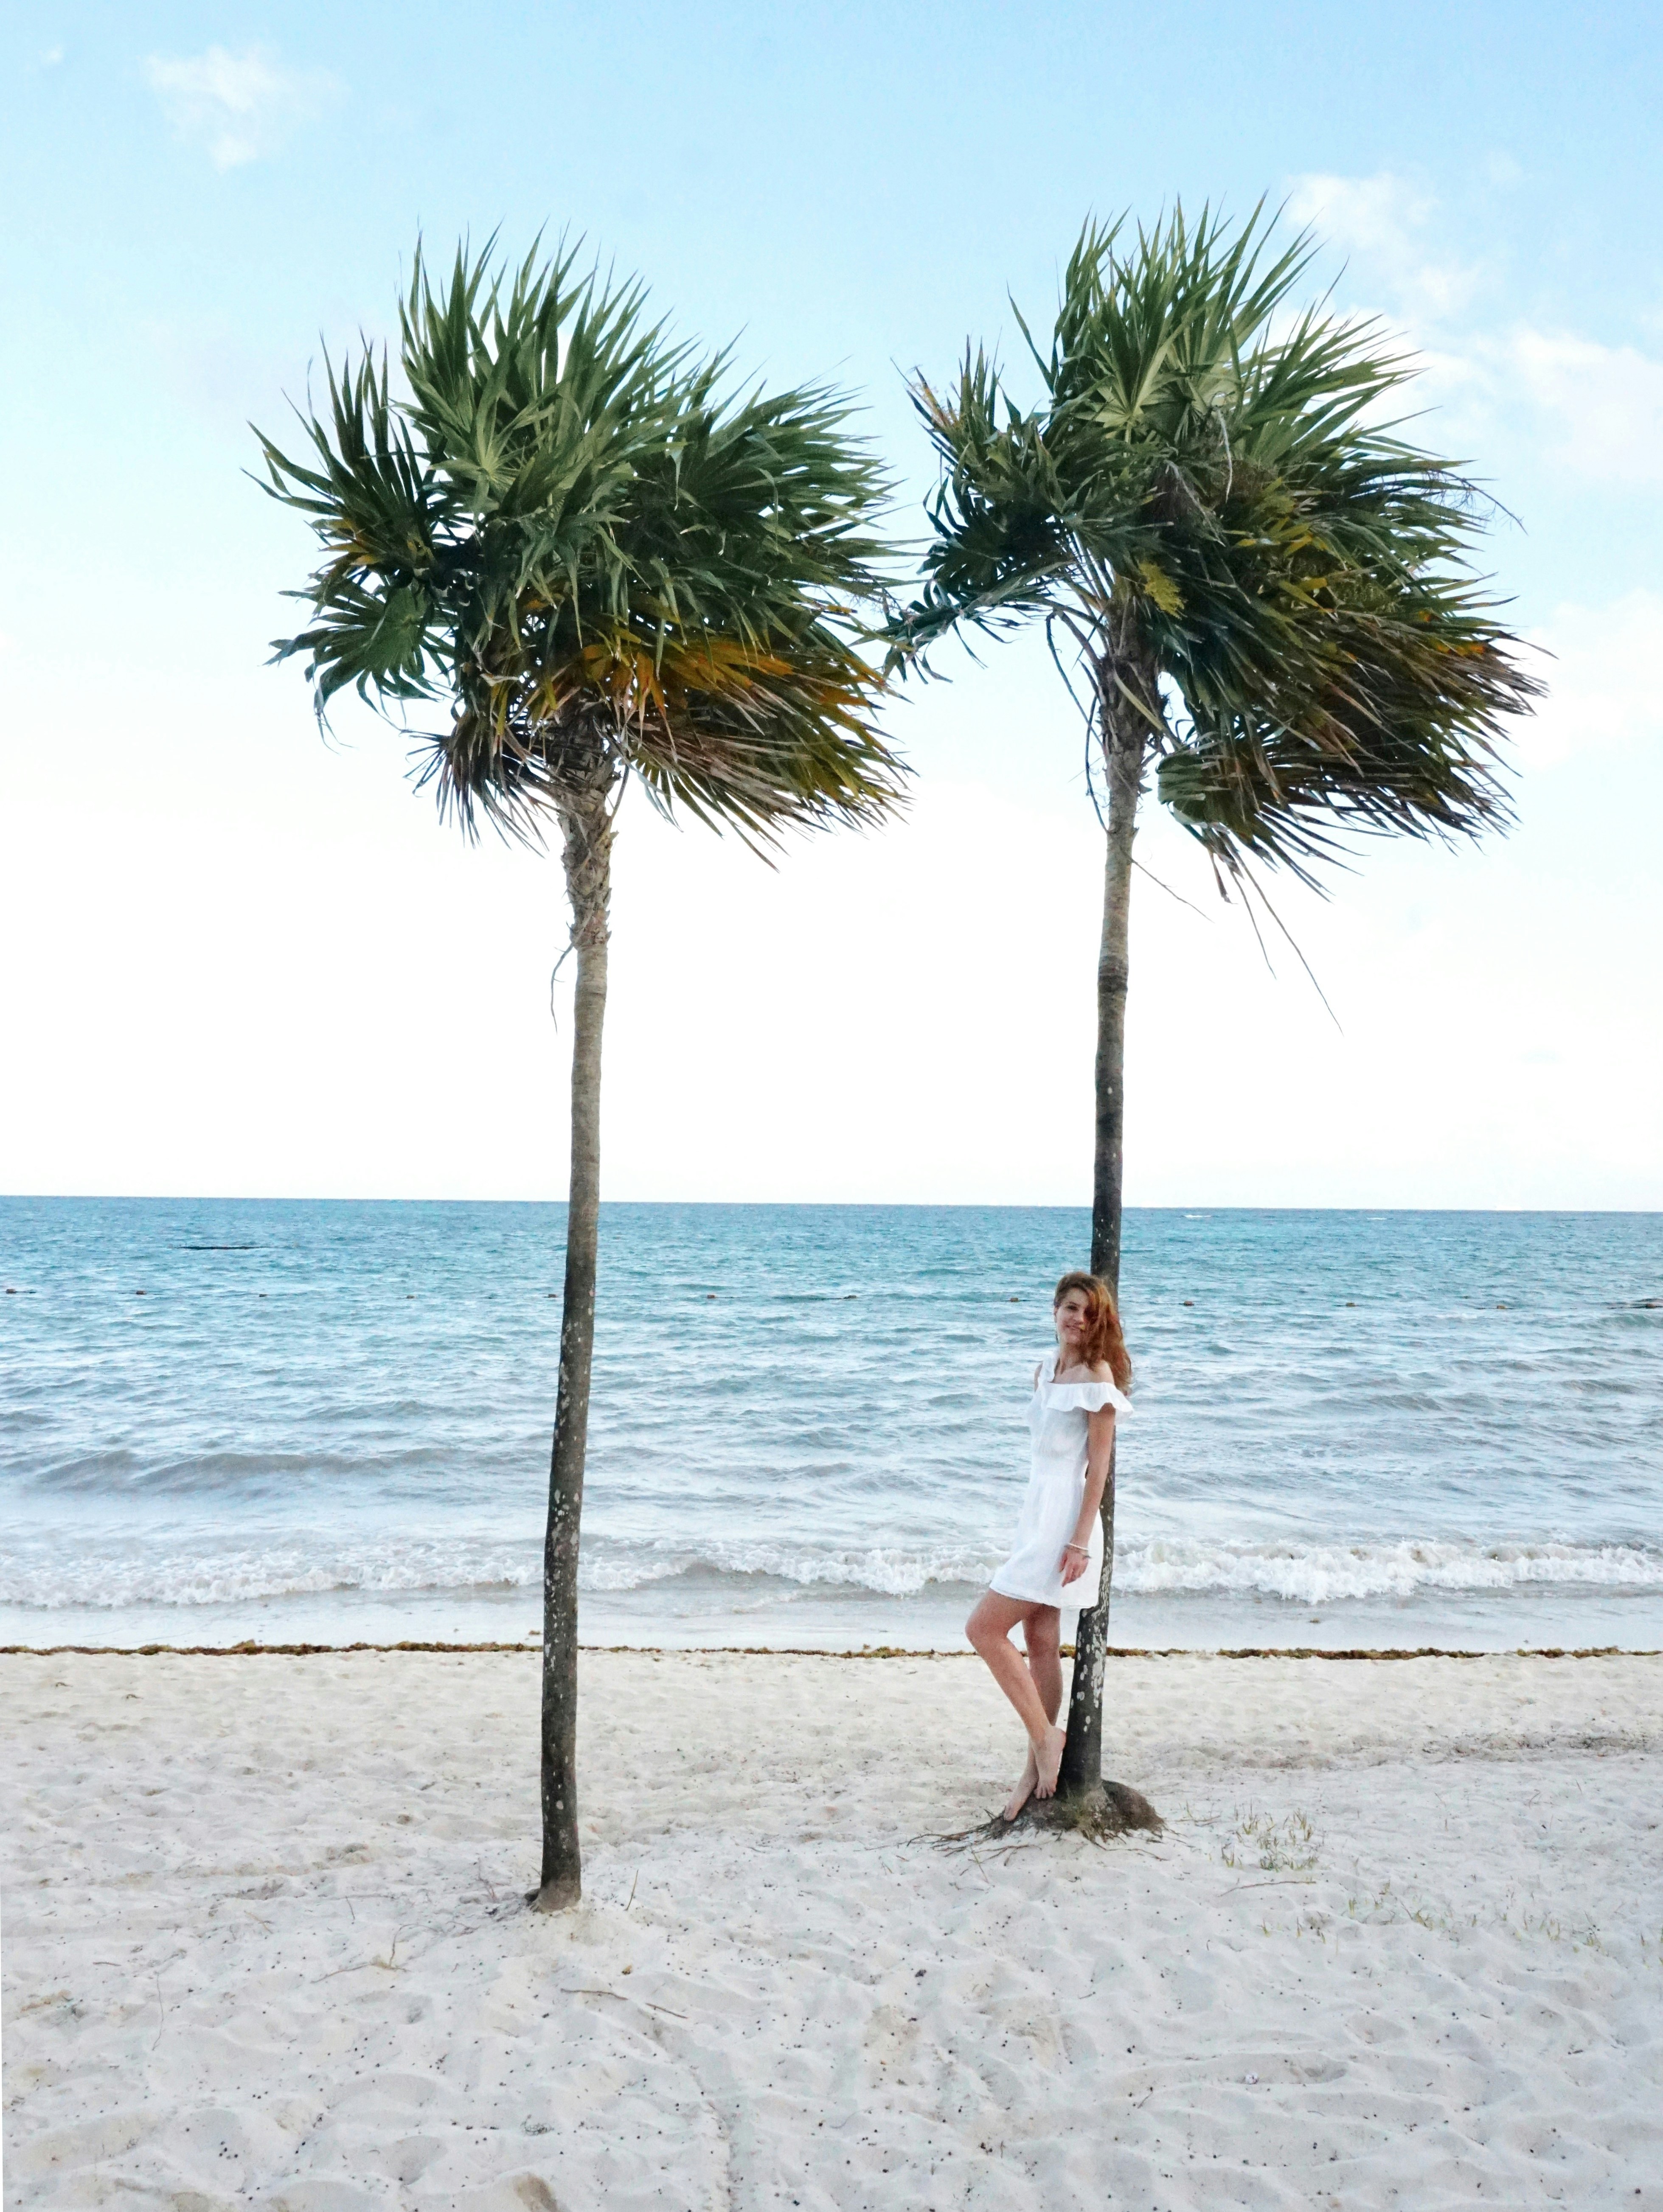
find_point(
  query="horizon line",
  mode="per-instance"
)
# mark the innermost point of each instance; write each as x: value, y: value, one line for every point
x: 1197, y: 1207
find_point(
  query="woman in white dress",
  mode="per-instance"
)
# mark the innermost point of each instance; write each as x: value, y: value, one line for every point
x: 1058, y: 1561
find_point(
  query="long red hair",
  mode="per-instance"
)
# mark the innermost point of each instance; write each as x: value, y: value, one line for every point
x: 1103, y: 1340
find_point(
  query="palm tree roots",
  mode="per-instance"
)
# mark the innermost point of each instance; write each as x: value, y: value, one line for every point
x: 1102, y: 1815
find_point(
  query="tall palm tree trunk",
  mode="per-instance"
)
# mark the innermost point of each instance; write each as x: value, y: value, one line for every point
x: 587, y: 823
x: 1125, y: 737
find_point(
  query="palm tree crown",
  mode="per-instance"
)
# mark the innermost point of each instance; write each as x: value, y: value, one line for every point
x: 1206, y: 502
x: 566, y: 531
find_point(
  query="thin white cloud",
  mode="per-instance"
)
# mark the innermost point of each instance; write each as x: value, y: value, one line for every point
x: 1605, y: 404
x: 1590, y: 412
x: 1381, y: 223
x: 1378, y: 213
x: 1593, y: 411
x: 238, y: 106
x: 1602, y: 687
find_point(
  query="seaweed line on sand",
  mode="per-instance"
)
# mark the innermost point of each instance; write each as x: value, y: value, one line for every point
x: 525, y: 1646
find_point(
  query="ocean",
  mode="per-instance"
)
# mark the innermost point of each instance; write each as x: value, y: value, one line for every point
x: 324, y: 1422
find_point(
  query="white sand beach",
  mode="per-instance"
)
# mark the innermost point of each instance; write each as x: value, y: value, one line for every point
x: 1401, y: 1942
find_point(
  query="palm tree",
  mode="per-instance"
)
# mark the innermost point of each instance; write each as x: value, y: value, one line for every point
x: 1266, y: 589
x: 565, y: 532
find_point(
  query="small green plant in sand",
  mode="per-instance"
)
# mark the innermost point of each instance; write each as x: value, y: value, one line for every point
x: 1385, y: 1908
x: 1549, y: 1927
x: 1288, y: 1847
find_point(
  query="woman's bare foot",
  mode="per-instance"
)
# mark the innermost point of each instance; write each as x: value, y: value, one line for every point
x: 1047, y: 1758
x: 1024, y: 1789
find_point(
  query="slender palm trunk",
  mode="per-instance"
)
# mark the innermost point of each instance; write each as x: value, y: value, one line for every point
x: 1125, y: 739
x: 588, y: 854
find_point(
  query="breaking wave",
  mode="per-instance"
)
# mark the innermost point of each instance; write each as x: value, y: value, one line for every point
x: 1305, y: 1575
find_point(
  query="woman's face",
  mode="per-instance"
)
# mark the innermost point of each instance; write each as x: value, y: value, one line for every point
x: 1070, y: 1316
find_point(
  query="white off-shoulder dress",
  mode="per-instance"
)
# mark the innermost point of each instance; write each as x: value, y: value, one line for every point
x: 1057, y: 1489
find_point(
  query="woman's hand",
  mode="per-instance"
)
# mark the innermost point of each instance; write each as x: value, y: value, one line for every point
x: 1076, y: 1557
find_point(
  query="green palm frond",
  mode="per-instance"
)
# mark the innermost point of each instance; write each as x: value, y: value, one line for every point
x: 572, y: 532
x: 1207, y: 486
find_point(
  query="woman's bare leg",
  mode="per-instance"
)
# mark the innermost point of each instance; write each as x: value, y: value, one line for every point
x: 1026, y: 1781
x: 1041, y: 1632
x: 988, y: 1630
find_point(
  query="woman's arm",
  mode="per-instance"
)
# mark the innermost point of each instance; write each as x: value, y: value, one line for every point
x: 1099, y: 1447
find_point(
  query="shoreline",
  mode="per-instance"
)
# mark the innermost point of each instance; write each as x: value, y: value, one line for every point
x: 663, y: 1617
x: 528, y: 1648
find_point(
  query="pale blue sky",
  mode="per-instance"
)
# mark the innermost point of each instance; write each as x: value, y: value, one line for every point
x: 266, y: 945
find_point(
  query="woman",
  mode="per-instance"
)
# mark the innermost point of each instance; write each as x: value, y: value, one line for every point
x: 1058, y: 1559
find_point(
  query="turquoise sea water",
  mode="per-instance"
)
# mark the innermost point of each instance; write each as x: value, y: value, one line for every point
x: 299, y: 1420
